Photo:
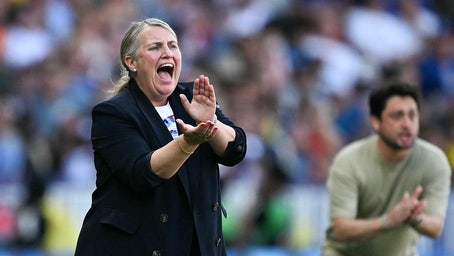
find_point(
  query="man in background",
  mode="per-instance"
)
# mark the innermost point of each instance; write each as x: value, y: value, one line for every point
x: 387, y: 189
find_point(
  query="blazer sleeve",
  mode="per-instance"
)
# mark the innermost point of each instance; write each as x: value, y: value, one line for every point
x: 236, y: 149
x: 120, y: 149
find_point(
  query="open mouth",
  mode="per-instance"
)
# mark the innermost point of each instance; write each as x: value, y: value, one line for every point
x: 406, y: 138
x: 165, y: 71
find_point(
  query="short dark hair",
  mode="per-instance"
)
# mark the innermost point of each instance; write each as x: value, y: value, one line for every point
x: 380, y: 95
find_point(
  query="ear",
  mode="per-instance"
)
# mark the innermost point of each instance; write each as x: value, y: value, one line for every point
x: 131, y: 63
x: 375, y: 122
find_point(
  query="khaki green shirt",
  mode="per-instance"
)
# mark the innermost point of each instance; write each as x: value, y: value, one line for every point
x: 361, y: 185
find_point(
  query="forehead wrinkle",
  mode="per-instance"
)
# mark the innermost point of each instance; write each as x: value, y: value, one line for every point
x: 157, y: 36
x: 149, y: 42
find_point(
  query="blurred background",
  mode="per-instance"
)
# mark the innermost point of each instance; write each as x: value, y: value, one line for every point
x: 294, y: 74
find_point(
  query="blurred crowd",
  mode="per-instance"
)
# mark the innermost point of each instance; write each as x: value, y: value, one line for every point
x: 294, y: 74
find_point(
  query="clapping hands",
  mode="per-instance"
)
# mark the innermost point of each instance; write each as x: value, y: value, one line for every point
x: 202, y: 109
x: 408, y: 209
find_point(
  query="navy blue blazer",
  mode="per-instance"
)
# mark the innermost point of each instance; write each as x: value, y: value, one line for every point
x: 134, y: 211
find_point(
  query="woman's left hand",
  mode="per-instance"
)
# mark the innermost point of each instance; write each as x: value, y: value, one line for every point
x: 199, y: 134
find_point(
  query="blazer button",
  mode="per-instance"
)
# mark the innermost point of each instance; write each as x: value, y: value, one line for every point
x: 156, y: 253
x: 239, y: 148
x: 164, y: 218
x: 215, y: 206
x: 218, y: 242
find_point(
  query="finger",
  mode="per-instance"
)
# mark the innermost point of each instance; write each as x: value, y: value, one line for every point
x: 418, y: 192
x: 184, y: 99
x: 213, y: 132
x: 406, y: 196
x: 422, y: 205
x: 203, y: 128
x: 205, y: 85
x: 203, y: 79
x: 208, y: 128
x: 210, y: 90
x: 197, y: 83
x: 182, y: 125
x: 186, y: 104
x: 207, y: 81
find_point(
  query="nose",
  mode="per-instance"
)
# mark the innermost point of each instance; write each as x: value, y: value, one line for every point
x: 167, y: 52
x: 407, y: 121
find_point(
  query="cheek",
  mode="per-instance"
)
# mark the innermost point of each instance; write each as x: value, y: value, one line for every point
x: 178, y: 71
x: 178, y: 62
x: 416, y: 127
x: 150, y: 58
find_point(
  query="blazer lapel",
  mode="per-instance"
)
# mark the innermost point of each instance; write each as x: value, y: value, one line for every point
x: 185, y: 173
x: 151, y: 115
x: 160, y: 131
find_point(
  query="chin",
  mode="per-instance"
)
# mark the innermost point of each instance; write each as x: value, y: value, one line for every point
x: 408, y: 145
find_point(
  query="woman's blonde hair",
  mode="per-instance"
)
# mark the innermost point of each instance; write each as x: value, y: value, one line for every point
x: 129, y: 45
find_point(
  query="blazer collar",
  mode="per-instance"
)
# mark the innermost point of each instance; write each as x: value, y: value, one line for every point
x: 153, y: 116
x: 150, y: 114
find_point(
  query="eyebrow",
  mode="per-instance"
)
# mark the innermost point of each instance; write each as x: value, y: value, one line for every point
x: 403, y: 111
x: 162, y: 42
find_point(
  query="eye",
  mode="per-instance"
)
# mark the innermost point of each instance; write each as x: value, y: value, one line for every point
x: 413, y: 115
x: 154, y: 46
x: 396, y: 116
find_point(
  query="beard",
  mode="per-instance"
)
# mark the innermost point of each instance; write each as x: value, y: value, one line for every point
x: 392, y: 143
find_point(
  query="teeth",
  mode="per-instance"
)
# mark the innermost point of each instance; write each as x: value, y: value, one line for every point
x: 168, y: 65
